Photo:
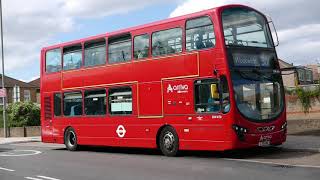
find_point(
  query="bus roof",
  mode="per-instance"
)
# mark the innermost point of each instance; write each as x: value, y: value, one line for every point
x: 127, y: 30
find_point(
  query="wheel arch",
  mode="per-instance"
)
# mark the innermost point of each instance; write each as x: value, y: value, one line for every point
x: 64, y: 133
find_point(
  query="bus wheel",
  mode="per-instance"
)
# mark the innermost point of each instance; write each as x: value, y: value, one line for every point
x: 70, y: 140
x: 169, y: 141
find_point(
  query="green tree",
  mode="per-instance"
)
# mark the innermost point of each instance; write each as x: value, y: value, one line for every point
x: 23, y: 114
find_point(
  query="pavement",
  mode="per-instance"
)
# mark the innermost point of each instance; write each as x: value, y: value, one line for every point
x: 12, y: 140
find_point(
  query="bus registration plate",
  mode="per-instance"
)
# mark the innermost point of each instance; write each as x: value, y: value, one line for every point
x: 265, y: 141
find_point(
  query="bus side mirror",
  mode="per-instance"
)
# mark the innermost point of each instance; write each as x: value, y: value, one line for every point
x: 214, y: 91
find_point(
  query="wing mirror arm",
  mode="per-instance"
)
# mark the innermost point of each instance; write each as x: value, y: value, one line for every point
x: 274, y: 29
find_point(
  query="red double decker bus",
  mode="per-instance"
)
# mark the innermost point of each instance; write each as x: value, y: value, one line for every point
x: 204, y: 81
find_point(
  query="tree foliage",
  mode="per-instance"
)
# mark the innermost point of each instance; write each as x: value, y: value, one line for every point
x: 23, y: 114
x: 306, y: 97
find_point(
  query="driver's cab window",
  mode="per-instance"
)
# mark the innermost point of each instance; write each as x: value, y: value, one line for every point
x: 207, y: 96
x: 225, y: 94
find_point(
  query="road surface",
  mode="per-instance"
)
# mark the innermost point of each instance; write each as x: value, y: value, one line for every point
x: 37, y: 161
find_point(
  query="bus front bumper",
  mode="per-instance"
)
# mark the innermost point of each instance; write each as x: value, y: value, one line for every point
x: 261, y: 140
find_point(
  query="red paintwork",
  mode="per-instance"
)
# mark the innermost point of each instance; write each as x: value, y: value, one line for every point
x: 147, y: 79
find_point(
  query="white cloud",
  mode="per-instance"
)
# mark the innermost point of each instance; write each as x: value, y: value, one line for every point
x: 297, y: 22
x: 30, y: 25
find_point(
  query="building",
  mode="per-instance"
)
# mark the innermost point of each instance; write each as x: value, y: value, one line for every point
x: 19, y: 91
x: 295, y: 75
x: 305, y: 75
x: 36, y: 83
x: 315, y: 72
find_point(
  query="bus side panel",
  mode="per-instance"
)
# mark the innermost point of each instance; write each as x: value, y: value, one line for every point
x: 72, y: 79
x: 178, y: 97
x: 150, y: 99
x: 142, y: 71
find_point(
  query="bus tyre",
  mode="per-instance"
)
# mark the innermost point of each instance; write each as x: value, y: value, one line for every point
x: 169, y: 141
x: 70, y: 140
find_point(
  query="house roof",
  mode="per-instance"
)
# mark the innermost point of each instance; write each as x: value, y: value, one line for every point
x: 284, y: 64
x: 35, y: 82
x: 11, y: 82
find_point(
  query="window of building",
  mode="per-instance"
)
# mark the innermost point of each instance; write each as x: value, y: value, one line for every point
x: 95, y: 53
x: 309, y: 75
x: 167, y: 42
x: 207, y: 96
x: 120, y: 101
x: 95, y: 102
x: 27, y: 95
x: 141, y: 46
x: 301, y: 74
x: 199, y: 34
x: 72, y: 57
x: 16, y: 93
x: 72, y: 104
x: 57, y: 104
x: 53, y: 61
x: 119, y: 49
x: 38, y: 96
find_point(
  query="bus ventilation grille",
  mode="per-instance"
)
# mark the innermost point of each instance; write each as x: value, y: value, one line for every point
x: 47, y: 108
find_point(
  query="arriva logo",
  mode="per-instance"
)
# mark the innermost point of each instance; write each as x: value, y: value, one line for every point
x: 178, y: 88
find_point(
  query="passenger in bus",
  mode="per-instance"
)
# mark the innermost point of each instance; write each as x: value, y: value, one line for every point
x: 209, y: 43
x: 226, y: 104
x: 199, y: 42
x: 158, y: 49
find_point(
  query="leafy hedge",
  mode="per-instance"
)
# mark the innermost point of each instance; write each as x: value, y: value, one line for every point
x: 306, y: 97
x: 23, y: 114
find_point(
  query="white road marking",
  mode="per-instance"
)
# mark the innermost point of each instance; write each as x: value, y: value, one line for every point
x: 31, y: 178
x: 41, y: 178
x: 5, y: 169
x: 16, y: 153
x: 41, y: 145
x: 273, y: 163
x: 50, y: 178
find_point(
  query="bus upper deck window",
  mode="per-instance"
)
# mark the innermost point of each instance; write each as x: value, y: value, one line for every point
x: 119, y: 49
x: 95, y: 53
x: 53, y: 60
x: 141, y: 46
x: 167, y: 42
x: 72, y: 57
x: 199, y: 34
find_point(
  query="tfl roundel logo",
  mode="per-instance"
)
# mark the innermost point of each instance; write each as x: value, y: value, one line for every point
x: 121, y: 131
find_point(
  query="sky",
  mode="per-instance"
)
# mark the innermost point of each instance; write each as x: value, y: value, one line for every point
x: 33, y: 24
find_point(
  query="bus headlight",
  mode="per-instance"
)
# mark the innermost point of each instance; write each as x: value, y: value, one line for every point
x: 239, y: 129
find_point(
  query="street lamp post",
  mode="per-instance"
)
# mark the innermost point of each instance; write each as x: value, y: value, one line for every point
x: 2, y: 82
